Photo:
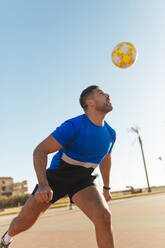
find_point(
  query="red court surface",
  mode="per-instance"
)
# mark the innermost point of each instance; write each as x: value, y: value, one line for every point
x: 137, y: 223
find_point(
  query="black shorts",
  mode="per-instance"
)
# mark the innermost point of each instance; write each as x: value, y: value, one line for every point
x: 68, y: 179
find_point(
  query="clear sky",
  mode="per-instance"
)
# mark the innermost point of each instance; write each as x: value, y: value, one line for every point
x: 51, y: 50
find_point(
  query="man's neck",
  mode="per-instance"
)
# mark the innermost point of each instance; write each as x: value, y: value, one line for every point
x: 97, y: 118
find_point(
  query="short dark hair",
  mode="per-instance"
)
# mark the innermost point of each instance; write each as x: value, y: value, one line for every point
x: 85, y: 93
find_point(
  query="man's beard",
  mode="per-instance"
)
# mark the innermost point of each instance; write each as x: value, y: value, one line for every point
x: 106, y: 108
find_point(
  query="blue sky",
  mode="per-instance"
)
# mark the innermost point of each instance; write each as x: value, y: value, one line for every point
x: 51, y: 50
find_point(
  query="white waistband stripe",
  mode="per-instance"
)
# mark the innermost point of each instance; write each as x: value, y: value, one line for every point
x: 75, y: 162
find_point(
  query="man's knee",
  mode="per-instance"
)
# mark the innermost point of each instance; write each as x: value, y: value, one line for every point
x: 103, y: 217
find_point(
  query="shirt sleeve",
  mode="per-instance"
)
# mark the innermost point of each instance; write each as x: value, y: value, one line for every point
x: 110, y: 150
x: 113, y: 141
x: 64, y: 133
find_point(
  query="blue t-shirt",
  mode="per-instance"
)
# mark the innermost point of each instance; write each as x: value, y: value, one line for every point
x: 83, y: 141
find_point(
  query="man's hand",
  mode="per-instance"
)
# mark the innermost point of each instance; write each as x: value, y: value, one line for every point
x: 44, y: 193
x: 107, y: 195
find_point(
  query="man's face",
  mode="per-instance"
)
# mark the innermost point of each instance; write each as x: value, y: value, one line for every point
x: 102, y: 101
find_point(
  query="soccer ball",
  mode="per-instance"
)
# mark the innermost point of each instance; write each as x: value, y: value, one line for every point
x: 124, y: 55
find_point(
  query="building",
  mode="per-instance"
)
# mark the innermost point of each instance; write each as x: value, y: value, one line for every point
x: 20, y: 188
x: 8, y: 187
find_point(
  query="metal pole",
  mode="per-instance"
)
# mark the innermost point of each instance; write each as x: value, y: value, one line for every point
x: 145, y: 167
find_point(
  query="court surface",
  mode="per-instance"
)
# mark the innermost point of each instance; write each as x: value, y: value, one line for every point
x: 137, y: 223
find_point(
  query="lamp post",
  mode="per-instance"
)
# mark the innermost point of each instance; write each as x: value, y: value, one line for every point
x: 142, y: 151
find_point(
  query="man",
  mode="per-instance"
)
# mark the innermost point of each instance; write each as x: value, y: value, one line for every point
x: 83, y: 143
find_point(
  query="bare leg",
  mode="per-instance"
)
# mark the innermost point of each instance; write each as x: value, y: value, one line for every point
x: 28, y: 216
x: 93, y: 204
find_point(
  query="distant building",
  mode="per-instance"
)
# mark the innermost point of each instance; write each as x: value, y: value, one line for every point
x: 8, y: 187
x: 20, y: 188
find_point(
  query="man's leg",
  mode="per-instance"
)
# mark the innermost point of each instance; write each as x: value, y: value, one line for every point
x: 26, y: 218
x: 93, y: 204
x: 28, y: 215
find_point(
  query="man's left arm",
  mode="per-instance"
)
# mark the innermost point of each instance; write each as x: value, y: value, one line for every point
x: 105, y: 169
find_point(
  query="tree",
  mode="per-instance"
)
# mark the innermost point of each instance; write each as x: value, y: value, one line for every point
x: 161, y: 159
x: 136, y: 130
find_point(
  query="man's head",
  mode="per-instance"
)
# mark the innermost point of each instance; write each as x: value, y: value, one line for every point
x: 94, y: 98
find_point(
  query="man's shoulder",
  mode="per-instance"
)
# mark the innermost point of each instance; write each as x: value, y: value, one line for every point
x: 76, y: 119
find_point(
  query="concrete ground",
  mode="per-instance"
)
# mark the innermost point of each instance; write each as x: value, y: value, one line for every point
x: 137, y: 223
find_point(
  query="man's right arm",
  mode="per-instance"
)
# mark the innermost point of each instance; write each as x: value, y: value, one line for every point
x: 40, y: 154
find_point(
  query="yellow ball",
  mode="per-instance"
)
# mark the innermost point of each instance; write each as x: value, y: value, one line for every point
x: 124, y: 55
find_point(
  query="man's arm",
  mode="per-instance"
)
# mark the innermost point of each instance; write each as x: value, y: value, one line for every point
x: 105, y: 169
x: 40, y: 154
